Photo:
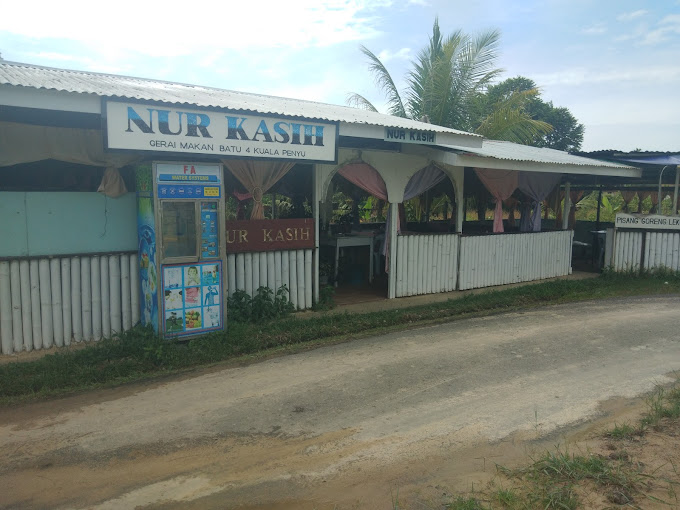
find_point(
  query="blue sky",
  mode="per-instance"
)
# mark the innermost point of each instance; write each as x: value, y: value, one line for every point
x: 614, y: 63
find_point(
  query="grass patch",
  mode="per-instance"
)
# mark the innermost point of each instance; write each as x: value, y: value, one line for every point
x: 140, y: 354
x: 624, y: 431
x: 661, y: 403
x: 562, y: 480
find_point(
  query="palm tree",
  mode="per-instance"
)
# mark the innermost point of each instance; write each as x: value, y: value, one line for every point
x: 447, y: 79
x: 510, y: 121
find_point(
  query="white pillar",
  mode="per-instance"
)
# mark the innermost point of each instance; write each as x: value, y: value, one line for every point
x: 460, y: 205
x: 5, y: 309
x: 66, y: 317
x: 126, y: 304
x: 315, y: 210
x: 96, y: 295
x: 76, y: 302
x: 15, y: 287
x: 26, y: 309
x: 57, y: 312
x: 392, y: 285
x: 46, y: 303
x: 114, y: 294
x: 567, y: 206
x: 675, y: 191
x: 35, y: 304
x: 86, y: 296
x: 106, y: 296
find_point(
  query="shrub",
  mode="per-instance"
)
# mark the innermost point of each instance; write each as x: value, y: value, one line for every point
x: 263, y: 306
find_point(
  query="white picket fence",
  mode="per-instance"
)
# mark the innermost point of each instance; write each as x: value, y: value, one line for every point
x: 426, y: 264
x: 633, y: 250
x: 662, y: 250
x: 500, y: 259
x: 47, y: 302
x: 293, y: 268
x: 627, y: 254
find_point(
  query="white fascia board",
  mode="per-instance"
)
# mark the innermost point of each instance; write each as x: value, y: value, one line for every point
x: 557, y: 168
x: 378, y: 132
x: 45, y: 99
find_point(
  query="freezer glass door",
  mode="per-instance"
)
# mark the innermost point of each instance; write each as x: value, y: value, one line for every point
x: 178, y: 229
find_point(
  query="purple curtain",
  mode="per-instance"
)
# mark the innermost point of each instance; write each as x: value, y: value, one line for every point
x: 536, y: 186
x: 423, y: 180
x: 501, y: 184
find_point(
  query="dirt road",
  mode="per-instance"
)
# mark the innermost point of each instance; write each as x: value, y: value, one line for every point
x: 347, y: 426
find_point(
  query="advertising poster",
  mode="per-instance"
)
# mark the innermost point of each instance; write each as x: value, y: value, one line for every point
x: 210, y: 245
x: 192, y: 297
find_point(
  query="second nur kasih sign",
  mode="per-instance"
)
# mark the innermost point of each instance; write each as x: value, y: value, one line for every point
x: 269, y: 235
x: 146, y: 127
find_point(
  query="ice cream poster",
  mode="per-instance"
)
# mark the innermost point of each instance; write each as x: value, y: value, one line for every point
x: 192, y: 298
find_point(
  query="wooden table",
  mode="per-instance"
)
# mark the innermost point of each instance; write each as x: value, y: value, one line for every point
x: 347, y: 240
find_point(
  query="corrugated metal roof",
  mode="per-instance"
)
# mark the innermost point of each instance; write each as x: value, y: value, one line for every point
x: 27, y: 75
x: 515, y: 152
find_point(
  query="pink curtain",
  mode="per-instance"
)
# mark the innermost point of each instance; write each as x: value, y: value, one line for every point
x: 368, y: 179
x: 628, y: 197
x: 258, y: 177
x: 501, y: 184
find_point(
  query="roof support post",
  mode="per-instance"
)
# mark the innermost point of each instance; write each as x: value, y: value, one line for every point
x: 392, y: 279
x: 675, y: 191
x: 599, y: 206
x: 315, y: 209
x: 567, y: 205
x: 460, y: 206
x: 658, y: 195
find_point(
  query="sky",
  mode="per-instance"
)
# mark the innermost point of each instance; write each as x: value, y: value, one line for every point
x: 615, y: 64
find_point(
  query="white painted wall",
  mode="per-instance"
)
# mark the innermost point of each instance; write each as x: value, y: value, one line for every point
x: 500, y: 259
x: 52, y: 302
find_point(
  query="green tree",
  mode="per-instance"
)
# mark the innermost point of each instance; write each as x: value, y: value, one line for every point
x: 567, y: 133
x: 448, y: 78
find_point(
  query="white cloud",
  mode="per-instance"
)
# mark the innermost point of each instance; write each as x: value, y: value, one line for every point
x: 157, y: 28
x: 386, y: 55
x: 581, y: 76
x: 82, y: 62
x: 629, y: 16
x: 667, y: 27
x: 596, y: 29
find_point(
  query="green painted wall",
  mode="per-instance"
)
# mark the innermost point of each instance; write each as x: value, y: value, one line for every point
x: 58, y: 223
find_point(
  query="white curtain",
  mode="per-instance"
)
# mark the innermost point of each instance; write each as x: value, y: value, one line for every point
x: 23, y: 143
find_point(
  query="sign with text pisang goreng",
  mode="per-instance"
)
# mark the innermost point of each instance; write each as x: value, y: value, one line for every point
x: 144, y: 127
x: 647, y: 222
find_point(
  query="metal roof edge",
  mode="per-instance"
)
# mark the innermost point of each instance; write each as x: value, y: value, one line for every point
x: 376, y: 119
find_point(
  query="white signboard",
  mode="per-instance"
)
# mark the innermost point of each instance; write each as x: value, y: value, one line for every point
x: 647, y: 222
x: 146, y: 127
x: 410, y: 136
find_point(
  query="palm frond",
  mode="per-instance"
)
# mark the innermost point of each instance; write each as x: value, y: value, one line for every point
x: 358, y: 101
x: 509, y: 120
x: 513, y: 125
x: 385, y: 82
